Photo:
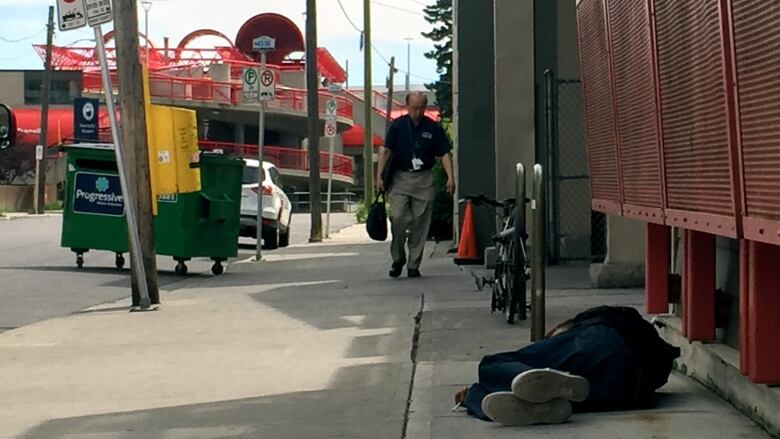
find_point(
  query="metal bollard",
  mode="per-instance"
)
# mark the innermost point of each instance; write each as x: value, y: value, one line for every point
x: 520, y: 227
x: 538, y: 259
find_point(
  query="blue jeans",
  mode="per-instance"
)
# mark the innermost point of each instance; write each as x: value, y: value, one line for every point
x: 597, y: 353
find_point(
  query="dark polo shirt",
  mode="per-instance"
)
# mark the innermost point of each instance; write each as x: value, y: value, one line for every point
x: 426, y: 141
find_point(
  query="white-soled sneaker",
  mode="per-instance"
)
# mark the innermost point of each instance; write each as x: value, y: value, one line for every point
x: 542, y: 385
x: 506, y: 409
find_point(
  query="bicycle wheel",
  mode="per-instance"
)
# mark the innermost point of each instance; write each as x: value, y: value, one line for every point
x: 519, y: 265
x: 508, y: 279
x: 497, y: 302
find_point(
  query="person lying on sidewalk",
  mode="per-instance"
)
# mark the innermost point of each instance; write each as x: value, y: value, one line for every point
x: 605, y: 358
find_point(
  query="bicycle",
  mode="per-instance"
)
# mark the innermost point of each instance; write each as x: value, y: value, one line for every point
x: 511, y: 271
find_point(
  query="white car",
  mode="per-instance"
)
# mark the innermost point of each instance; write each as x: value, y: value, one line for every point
x: 277, y: 209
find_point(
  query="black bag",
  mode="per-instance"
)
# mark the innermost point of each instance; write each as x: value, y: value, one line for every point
x: 376, y: 223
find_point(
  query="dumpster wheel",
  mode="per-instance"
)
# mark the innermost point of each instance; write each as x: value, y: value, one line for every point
x: 217, y: 268
x: 120, y: 261
x: 181, y: 268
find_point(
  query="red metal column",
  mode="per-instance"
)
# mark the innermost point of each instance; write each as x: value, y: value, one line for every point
x: 763, y: 309
x: 699, y: 286
x: 685, y: 274
x: 744, y: 307
x: 657, y: 255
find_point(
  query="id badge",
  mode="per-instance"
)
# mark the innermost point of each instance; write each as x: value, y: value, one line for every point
x: 417, y: 164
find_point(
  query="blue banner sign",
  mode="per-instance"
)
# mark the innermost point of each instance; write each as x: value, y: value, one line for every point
x: 98, y: 194
x: 85, y: 119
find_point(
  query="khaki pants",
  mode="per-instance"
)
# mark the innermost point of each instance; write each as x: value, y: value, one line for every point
x: 413, y: 215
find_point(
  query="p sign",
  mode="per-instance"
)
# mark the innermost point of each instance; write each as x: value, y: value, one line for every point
x: 72, y: 14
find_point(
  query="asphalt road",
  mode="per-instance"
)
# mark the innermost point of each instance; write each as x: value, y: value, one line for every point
x: 39, y: 279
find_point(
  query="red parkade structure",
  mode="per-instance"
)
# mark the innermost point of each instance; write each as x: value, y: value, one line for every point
x: 683, y: 130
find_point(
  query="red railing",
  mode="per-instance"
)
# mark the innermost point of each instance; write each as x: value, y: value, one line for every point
x: 207, y: 90
x: 284, y: 158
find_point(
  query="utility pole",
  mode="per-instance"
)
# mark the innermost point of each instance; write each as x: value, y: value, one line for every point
x: 390, y: 80
x: 313, y: 105
x: 368, y: 95
x: 40, y: 156
x: 135, y: 148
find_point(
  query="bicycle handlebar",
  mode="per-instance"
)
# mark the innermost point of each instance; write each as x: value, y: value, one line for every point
x: 481, y: 198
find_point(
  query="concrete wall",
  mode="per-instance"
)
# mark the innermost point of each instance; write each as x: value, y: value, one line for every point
x: 514, y: 92
x: 12, y: 88
x: 20, y: 198
x: 567, y: 46
x: 473, y: 95
x: 624, y: 265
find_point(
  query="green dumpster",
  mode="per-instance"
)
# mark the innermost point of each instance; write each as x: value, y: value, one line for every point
x: 200, y: 224
x: 205, y: 223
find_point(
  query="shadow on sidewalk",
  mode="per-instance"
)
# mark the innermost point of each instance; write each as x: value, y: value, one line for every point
x: 359, y: 403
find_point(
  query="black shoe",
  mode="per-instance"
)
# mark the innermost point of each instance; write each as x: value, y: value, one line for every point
x: 413, y: 272
x: 396, y: 269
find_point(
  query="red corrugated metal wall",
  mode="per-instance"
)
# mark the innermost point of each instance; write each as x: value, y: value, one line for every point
x: 697, y: 149
x: 599, y: 107
x: 757, y: 49
x: 637, y: 109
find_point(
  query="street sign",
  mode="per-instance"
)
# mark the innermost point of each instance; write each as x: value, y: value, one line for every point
x: 85, y: 119
x: 330, y: 128
x: 334, y: 87
x: 263, y: 44
x: 98, y: 12
x: 267, y: 85
x: 330, y: 108
x: 72, y: 14
x: 251, y: 87
x: 39, y: 152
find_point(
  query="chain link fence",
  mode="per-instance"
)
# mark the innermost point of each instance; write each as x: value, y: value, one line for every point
x: 575, y: 231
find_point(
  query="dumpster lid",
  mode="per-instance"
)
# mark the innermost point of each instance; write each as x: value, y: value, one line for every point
x: 107, y: 146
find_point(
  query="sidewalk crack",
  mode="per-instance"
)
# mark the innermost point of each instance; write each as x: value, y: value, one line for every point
x: 413, y: 358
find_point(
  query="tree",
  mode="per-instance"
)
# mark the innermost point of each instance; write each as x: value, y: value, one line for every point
x: 440, y: 16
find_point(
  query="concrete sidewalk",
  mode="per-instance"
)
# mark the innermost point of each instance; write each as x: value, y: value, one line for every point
x: 314, y: 342
x: 457, y: 329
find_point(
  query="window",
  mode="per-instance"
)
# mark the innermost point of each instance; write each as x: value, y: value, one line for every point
x: 276, y: 178
x: 250, y: 175
x: 65, y: 87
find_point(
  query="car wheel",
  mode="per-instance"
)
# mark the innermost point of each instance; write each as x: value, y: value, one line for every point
x: 284, y: 238
x: 271, y: 237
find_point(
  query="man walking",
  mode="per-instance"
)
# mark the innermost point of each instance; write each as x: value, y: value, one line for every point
x: 412, y: 146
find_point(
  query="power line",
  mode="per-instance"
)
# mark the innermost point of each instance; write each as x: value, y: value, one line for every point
x: 408, y: 11
x: 23, y: 39
x: 419, y: 3
x: 344, y: 11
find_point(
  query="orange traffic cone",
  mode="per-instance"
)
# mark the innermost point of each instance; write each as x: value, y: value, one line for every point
x: 468, y: 254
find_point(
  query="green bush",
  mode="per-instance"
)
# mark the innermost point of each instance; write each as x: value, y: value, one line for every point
x: 361, y: 214
x: 2, y: 212
x: 53, y: 205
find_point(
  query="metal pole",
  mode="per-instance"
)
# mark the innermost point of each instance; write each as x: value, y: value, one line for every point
x: 520, y: 227
x: 260, y: 169
x: 408, y: 63
x: 330, y: 183
x: 132, y: 223
x: 552, y: 158
x: 146, y: 35
x: 538, y: 259
x: 147, y: 5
